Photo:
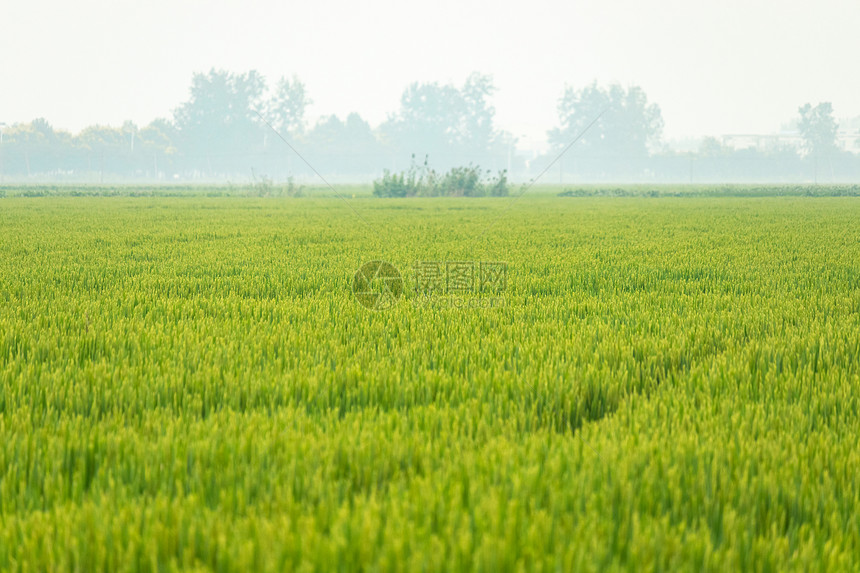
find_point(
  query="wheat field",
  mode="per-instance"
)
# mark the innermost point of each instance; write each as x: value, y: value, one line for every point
x: 660, y: 384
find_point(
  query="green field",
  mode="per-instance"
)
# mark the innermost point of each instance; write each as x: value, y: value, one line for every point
x: 670, y: 384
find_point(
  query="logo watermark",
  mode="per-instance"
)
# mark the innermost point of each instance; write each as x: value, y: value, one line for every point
x: 457, y: 301
x: 378, y: 285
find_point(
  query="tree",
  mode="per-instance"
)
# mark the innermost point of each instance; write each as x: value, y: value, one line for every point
x: 286, y: 108
x: 157, y: 143
x: 108, y: 149
x: 620, y: 140
x: 477, y: 133
x: 159, y: 136
x: 426, y: 122
x: 712, y: 147
x: 343, y: 147
x: 218, y: 127
x: 818, y: 129
x: 35, y: 147
x: 452, y: 126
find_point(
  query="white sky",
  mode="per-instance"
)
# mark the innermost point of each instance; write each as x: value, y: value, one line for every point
x: 715, y: 67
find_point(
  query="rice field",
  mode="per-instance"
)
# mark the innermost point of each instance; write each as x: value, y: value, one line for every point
x: 661, y: 384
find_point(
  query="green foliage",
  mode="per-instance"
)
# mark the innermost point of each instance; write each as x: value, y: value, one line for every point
x: 671, y: 384
x: 446, y: 122
x: 461, y: 181
x: 396, y: 185
x: 629, y: 126
x: 818, y: 128
x: 286, y: 107
x: 265, y: 187
x: 714, y: 191
x: 425, y: 182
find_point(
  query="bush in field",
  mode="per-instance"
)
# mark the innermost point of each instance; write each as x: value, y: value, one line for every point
x: 498, y: 185
x: 424, y: 181
x: 410, y: 183
x: 265, y: 187
x: 462, y: 181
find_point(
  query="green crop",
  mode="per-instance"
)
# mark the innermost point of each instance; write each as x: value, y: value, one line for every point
x: 672, y: 383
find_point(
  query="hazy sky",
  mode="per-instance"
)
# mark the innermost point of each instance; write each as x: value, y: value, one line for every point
x: 714, y: 67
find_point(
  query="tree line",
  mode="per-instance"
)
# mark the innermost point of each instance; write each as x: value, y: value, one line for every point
x: 231, y: 126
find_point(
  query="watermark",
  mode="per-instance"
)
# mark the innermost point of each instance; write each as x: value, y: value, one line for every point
x: 457, y: 301
x: 378, y: 285
x: 460, y: 277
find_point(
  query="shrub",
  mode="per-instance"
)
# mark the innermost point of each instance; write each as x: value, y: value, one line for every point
x: 425, y: 182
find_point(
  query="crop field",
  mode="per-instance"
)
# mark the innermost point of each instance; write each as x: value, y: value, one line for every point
x: 657, y: 384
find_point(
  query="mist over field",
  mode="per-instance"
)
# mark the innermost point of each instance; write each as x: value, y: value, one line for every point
x: 194, y: 92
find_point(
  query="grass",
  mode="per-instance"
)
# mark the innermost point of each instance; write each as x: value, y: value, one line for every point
x: 670, y: 384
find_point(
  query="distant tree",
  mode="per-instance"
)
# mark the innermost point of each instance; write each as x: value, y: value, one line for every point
x: 159, y: 135
x: 218, y: 127
x: 157, y: 143
x: 452, y: 126
x: 712, y: 147
x: 619, y: 142
x: 628, y: 128
x: 108, y: 149
x: 426, y: 122
x: 477, y: 132
x: 344, y: 147
x: 35, y: 147
x: 818, y: 129
x: 285, y: 110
